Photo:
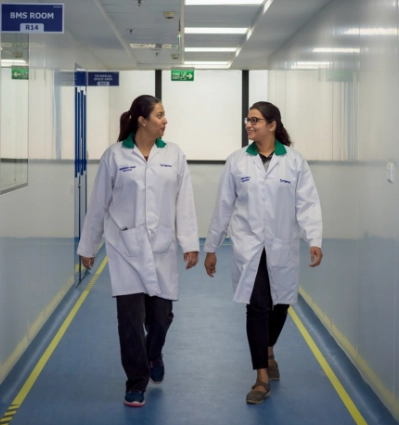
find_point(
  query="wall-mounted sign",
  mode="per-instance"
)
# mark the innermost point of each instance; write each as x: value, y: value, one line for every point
x: 32, y: 18
x: 103, y: 78
x: 19, y: 73
x: 182, y: 75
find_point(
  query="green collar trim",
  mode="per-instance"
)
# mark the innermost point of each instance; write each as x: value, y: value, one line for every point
x: 129, y: 142
x: 280, y: 149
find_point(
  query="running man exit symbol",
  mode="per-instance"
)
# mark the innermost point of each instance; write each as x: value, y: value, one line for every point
x: 182, y: 75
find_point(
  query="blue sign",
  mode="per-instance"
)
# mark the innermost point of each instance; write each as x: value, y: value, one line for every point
x: 80, y: 78
x: 32, y: 18
x: 103, y: 79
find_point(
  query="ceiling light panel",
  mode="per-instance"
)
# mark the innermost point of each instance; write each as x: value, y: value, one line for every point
x: 217, y: 17
x: 208, y: 57
x: 310, y: 65
x: 210, y: 49
x: 192, y: 30
x: 336, y: 50
x: 220, y: 16
x: 371, y: 31
x: 209, y: 40
x: 224, y: 2
x: 6, y: 63
x: 208, y: 64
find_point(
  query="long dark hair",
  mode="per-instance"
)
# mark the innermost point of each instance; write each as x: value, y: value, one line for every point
x: 142, y: 106
x: 272, y: 113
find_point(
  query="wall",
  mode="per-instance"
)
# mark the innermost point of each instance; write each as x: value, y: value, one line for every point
x: 36, y: 222
x: 131, y: 85
x: 340, y: 104
x: 204, y: 115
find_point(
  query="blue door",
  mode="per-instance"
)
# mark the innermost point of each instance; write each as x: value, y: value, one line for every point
x: 80, y: 161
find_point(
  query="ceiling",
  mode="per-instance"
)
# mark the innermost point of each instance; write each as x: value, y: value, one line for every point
x: 108, y: 27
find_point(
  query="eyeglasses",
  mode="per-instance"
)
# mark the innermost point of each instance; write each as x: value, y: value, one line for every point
x: 253, y: 120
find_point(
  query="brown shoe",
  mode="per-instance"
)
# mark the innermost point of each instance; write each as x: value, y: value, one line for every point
x: 272, y: 371
x: 257, y: 397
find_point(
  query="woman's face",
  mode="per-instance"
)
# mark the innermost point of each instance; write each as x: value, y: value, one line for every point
x: 156, y: 122
x: 261, y: 129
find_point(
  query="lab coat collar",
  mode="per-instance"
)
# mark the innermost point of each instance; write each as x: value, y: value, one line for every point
x: 129, y: 142
x: 279, y: 150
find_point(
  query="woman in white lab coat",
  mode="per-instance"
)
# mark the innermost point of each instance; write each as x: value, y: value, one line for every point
x: 142, y: 201
x: 266, y: 198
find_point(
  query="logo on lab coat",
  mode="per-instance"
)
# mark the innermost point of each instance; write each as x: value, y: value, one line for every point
x: 124, y: 169
x: 245, y: 179
x: 285, y: 181
x: 166, y: 165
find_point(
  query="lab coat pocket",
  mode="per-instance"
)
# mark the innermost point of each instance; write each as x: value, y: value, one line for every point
x: 132, y: 241
x: 284, y: 252
x: 164, y: 236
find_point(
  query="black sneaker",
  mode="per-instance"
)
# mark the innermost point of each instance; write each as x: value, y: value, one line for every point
x: 157, y: 370
x: 134, y: 399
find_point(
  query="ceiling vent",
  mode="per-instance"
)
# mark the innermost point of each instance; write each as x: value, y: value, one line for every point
x: 153, y: 46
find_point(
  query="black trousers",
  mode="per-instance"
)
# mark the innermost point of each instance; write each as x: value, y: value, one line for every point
x: 264, y: 321
x: 137, y: 349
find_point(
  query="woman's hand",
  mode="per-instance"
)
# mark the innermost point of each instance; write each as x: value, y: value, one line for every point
x: 88, y: 263
x: 191, y: 258
x: 315, y: 256
x: 210, y: 263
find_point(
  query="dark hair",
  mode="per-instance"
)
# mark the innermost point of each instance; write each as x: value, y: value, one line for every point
x: 142, y: 106
x: 272, y: 113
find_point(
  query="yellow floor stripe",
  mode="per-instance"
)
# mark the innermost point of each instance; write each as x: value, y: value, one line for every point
x: 50, y: 349
x: 356, y: 415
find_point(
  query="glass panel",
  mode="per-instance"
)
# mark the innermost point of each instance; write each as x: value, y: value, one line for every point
x: 14, y: 96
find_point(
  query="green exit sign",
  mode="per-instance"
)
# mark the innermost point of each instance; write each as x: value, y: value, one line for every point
x: 19, y: 73
x: 182, y: 75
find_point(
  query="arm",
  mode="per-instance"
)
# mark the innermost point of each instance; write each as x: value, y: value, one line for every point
x: 186, y: 218
x: 308, y: 212
x: 93, y: 227
x: 224, y: 206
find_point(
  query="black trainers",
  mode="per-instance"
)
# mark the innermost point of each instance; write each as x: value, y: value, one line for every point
x: 134, y: 399
x: 157, y: 370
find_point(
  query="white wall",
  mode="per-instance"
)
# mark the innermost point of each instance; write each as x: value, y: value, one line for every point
x: 258, y: 86
x: 98, y: 120
x: 204, y: 116
x: 131, y: 85
x: 345, y: 118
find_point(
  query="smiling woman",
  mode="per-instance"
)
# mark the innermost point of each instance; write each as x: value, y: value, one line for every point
x: 265, y: 215
x: 143, y: 202
x: 14, y: 96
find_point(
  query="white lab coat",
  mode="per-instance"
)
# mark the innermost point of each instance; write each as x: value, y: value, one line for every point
x: 266, y: 210
x: 144, y: 209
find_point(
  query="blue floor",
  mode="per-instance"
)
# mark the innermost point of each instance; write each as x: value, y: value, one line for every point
x: 208, y: 369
